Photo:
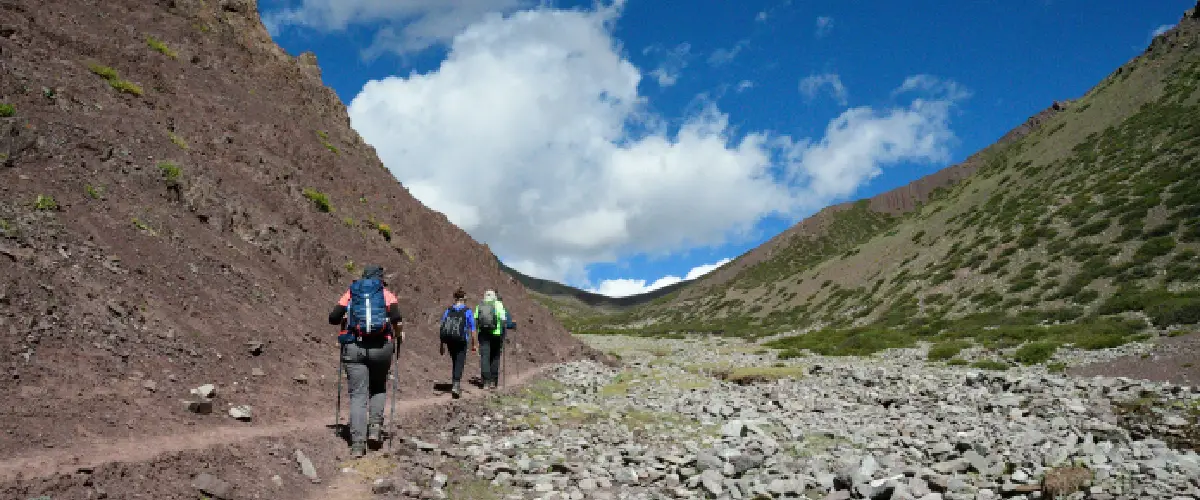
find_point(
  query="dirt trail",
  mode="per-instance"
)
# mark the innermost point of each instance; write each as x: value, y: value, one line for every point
x: 65, y: 461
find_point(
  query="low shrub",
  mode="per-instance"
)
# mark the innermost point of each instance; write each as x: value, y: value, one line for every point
x: 947, y: 350
x: 1035, y: 352
x: 319, y: 199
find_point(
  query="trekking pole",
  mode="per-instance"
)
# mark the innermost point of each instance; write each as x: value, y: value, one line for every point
x: 337, y: 412
x: 395, y: 388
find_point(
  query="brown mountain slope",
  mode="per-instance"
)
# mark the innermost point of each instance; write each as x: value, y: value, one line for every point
x: 164, y: 167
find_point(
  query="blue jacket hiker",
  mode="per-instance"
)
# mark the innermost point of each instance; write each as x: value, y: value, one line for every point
x: 457, y: 332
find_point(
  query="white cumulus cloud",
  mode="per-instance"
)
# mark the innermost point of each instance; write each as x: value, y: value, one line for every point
x: 625, y: 287
x: 399, y: 26
x: 532, y: 136
x: 812, y: 84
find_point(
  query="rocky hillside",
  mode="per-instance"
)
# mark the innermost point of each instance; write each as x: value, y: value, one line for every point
x: 1088, y: 212
x: 181, y: 203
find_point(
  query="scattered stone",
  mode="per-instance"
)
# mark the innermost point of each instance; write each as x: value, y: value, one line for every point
x: 383, y: 486
x: 243, y: 413
x: 257, y: 372
x: 255, y: 347
x: 894, y: 427
x: 306, y: 467
x: 199, y: 407
x: 212, y: 486
x: 207, y: 391
x: 149, y: 385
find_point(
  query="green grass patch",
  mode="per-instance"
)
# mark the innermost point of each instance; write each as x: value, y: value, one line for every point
x: 104, y: 72
x: 7, y: 110
x: 990, y: 364
x: 383, y: 229
x: 1164, y: 308
x: 114, y: 79
x: 475, y: 489
x: 126, y: 86
x: 1035, y: 352
x: 319, y: 199
x: 170, y: 172
x: 142, y: 226
x: 45, y: 202
x: 161, y: 47
x: 325, y: 142
x: 945, y: 350
x: 94, y: 192
x: 758, y: 374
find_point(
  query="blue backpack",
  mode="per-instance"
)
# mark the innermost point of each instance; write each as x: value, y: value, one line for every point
x: 367, y: 313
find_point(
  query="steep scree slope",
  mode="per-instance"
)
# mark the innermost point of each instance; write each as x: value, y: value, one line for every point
x: 175, y: 186
x: 1087, y: 199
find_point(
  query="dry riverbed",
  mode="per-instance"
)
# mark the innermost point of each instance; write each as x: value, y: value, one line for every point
x: 712, y: 418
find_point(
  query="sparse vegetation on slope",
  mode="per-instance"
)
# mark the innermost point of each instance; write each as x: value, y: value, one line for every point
x: 1084, y: 230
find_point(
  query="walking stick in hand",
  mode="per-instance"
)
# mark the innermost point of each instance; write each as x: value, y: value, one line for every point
x: 395, y: 384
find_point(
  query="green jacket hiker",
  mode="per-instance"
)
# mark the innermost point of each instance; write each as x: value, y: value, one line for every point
x: 490, y: 317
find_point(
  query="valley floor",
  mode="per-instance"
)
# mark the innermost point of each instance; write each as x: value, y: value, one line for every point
x: 721, y: 418
x: 705, y: 417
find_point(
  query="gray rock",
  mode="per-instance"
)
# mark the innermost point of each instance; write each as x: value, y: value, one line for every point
x: 306, y: 467
x: 243, y: 413
x: 212, y: 486
x: 199, y: 407
x: 382, y: 486
x: 711, y: 480
x: 207, y: 391
x: 734, y: 429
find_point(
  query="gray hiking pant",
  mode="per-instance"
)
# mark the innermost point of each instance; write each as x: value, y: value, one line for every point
x: 366, y: 363
x: 490, y: 347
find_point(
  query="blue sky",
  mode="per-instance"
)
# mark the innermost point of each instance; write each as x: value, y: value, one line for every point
x: 616, y: 146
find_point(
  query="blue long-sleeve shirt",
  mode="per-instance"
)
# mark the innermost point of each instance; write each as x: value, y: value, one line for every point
x: 470, y: 318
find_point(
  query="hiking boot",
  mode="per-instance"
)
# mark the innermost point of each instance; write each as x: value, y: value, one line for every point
x: 358, y: 450
x: 456, y: 391
x: 492, y: 384
x: 375, y: 433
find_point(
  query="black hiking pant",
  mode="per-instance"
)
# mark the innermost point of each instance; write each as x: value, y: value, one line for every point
x: 490, y: 348
x: 458, y: 358
x: 366, y: 363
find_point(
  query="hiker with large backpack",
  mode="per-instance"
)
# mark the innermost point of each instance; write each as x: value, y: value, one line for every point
x: 369, y: 314
x: 457, y: 331
x: 490, y: 318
